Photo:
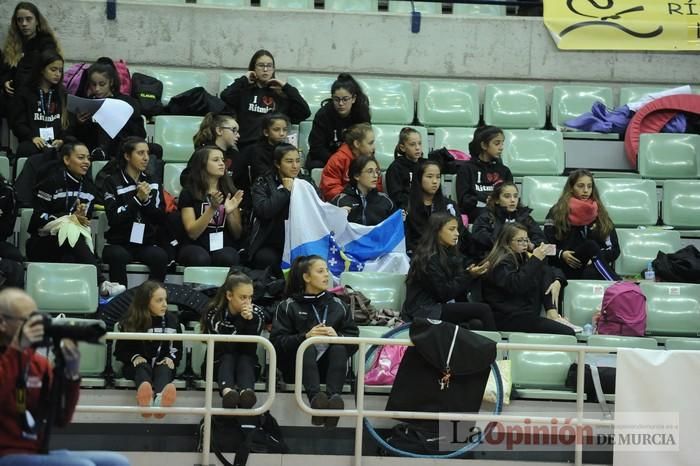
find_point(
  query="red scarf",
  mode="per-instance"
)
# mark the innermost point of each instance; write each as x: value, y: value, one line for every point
x: 582, y: 212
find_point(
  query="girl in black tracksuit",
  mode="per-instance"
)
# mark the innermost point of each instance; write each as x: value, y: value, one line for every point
x: 365, y: 205
x: 136, y: 214
x: 38, y: 112
x: 407, y: 160
x: 259, y: 92
x: 347, y: 106
x: 518, y: 285
x: 271, y: 195
x: 258, y: 156
x: 439, y: 279
x: 584, y: 235
x: 477, y: 177
x: 232, y: 312
x: 503, y: 207
x: 311, y: 311
x: 151, y: 364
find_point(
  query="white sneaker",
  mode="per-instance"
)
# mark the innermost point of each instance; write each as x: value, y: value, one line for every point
x: 111, y: 288
x: 564, y: 321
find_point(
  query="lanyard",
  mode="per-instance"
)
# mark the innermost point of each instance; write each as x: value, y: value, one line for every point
x: 160, y: 343
x: 45, y: 106
x: 21, y: 386
x: 130, y: 181
x: 318, y: 317
x: 69, y: 208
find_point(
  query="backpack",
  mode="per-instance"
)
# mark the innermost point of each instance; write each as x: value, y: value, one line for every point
x: 124, y: 77
x: 73, y: 77
x: 624, y: 311
x: 243, y: 435
x: 196, y: 101
x: 149, y: 92
x: 449, y: 160
x: 683, y: 266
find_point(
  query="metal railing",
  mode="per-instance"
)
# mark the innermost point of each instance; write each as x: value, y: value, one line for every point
x: 360, y: 413
x: 207, y: 410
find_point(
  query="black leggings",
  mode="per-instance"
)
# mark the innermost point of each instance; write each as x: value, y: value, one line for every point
x: 117, y: 256
x: 158, y: 376
x: 585, y: 252
x: 533, y: 324
x: 195, y: 255
x: 331, y: 368
x: 270, y: 257
x: 477, y: 316
x: 236, y: 370
x: 46, y: 249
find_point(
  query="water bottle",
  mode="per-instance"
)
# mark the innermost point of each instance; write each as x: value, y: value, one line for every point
x: 649, y: 273
x: 588, y: 330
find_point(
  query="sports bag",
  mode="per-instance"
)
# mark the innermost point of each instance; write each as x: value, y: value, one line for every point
x: 73, y: 77
x: 196, y: 101
x: 124, y: 77
x: 624, y: 311
x: 683, y: 266
x: 385, y: 366
x: 149, y: 92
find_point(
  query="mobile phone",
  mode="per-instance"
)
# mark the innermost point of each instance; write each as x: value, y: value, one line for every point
x: 551, y: 249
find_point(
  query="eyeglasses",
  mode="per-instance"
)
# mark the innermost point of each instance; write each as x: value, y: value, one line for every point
x: 231, y: 128
x: 522, y: 240
x: 373, y: 171
x: 264, y: 66
x: 342, y: 100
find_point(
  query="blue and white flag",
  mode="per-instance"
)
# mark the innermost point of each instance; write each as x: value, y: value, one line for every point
x: 316, y: 227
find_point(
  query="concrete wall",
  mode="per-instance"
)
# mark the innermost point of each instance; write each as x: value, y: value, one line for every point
x: 447, y: 46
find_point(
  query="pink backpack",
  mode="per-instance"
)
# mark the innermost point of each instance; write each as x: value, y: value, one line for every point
x: 124, y: 77
x: 73, y: 76
x: 624, y: 311
x: 384, y: 368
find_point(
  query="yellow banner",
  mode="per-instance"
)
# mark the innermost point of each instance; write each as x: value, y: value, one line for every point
x: 624, y: 24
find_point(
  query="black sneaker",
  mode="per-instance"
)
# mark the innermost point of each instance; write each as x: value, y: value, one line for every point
x: 247, y: 399
x: 319, y: 401
x: 230, y: 400
x: 334, y: 402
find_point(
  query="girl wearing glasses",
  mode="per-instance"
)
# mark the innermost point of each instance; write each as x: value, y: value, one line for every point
x: 582, y: 230
x: 365, y: 205
x: 347, y: 106
x: 259, y: 92
x: 518, y: 284
x: 502, y: 207
x: 221, y: 130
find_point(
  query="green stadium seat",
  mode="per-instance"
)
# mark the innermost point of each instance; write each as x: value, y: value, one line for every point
x: 669, y: 155
x: 617, y: 341
x: 229, y: 3
x: 5, y: 168
x: 540, y: 370
x: 92, y: 359
x: 681, y: 203
x: 391, y: 100
x: 227, y: 78
x: 534, y: 152
x: 176, y: 81
x: 672, y: 308
x: 453, y: 138
x: 515, y: 106
x: 352, y: 5
x: 288, y: 4
x: 425, y: 8
x: 478, y: 10
x: 172, y: 2
x: 385, y: 290
x: 385, y: 139
x: 175, y: 134
x: 540, y: 193
x: 582, y: 298
x: 313, y: 88
x: 96, y: 167
x: 638, y: 247
x: 171, y: 178
x: 493, y: 336
x: 98, y: 230
x: 19, y: 166
x: 304, y: 131
x: 448, y: 103
x: 678, y: 343
x: 63, y: 288
x: 635, y: 93
x: 316, y: 175
x: 572, y: 101
x: 25, y: 216
x: 630, y: 202
x: 215, y: 276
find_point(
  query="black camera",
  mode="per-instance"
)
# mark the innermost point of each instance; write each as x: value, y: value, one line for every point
x: 87, y: 330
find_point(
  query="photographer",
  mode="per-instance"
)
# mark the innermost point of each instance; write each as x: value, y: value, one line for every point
x: 27, y: 375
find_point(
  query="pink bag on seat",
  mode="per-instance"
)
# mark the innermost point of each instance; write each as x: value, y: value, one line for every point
x: 384, y: 368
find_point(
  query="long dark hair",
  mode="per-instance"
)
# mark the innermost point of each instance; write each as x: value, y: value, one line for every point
x: 106, y: 66
x: 45, y: 59
x: 428, y: 246
x: 501, y: 249
x: 360, y: 112
x: 483, y: 135
x: 138, y: 317
x: 416, y: 208
x: 233, y: 280
x: 197, y: 179
x: 295, y: 280
x: 258, y: 54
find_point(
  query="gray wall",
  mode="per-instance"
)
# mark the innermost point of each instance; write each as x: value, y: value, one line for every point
x: 317, y: 41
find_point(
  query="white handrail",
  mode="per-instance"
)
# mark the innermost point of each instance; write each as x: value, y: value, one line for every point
x: 360, y: 413
x: 207, y: 411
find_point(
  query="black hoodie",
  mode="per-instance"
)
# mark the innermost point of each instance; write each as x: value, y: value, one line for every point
x: 475, y: 181
x: 399, y: 177
x: 488, y: 225
x: 32, y: 109
x: 372, y: 209
x: 31, y: 50
x: 326, y: 135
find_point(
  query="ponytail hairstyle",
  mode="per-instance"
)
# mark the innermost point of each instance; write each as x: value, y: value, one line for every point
x: 428, y: 246
x: 138, y: 316
x: 128, y: 146
x: 233, y: 280
x: 206, y: 134
x: 296, y: 286
x: 279, y: 152
x: 496, y: 195
x: 483, y: 136
x: 560, y: 211
x: 406, y: 131
x: 269, y: 119
x: 14, y: 43
x: 356, y: 133
x: 45, y: 59
x: 106, y: 66
x: 501, y: 249
x: 360, y: 112
x: 69, y: 145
